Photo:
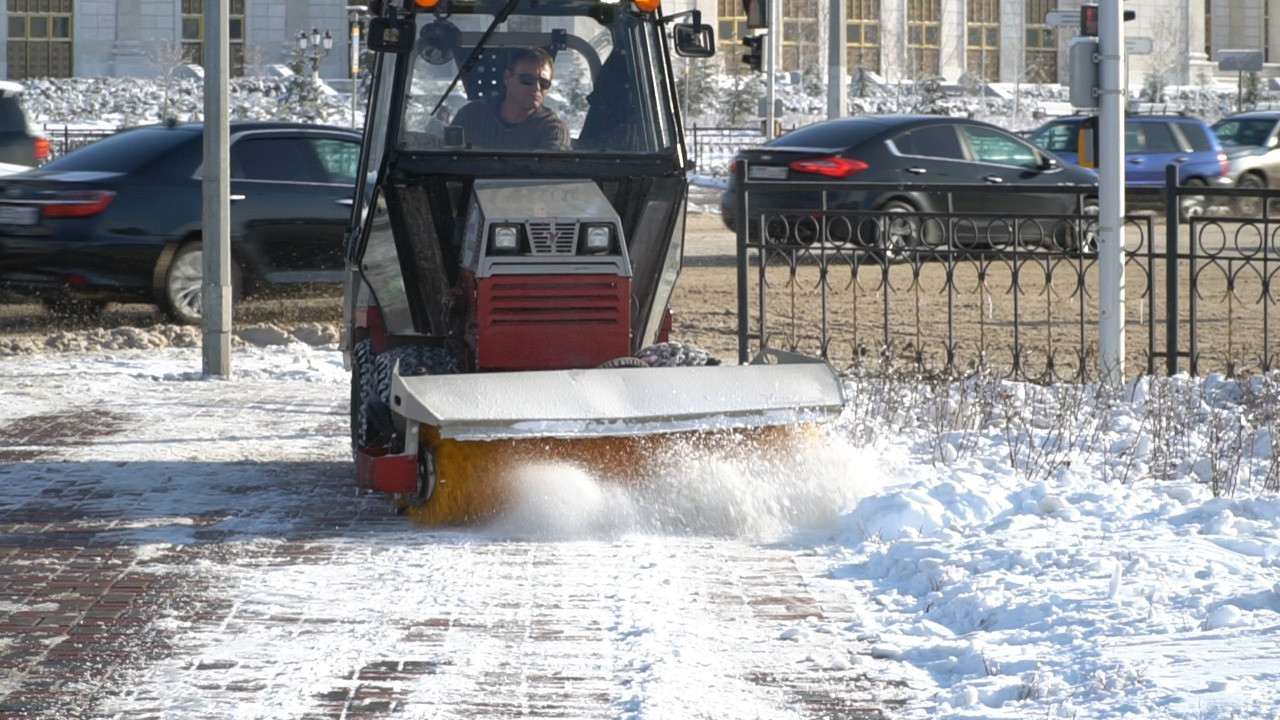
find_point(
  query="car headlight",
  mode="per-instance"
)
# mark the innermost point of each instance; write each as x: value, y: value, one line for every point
x: 597, y: 239
x: 504, y: 239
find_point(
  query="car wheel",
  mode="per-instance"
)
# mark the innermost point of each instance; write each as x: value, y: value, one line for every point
x: 1080, y: 236
x: 1250, y: 206
x: 1192, y: 205
x: 900, y: 235
x: 71, y: 308
x: 182, y: 284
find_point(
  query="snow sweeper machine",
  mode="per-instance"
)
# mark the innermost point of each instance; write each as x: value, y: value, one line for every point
x: 509, y: 304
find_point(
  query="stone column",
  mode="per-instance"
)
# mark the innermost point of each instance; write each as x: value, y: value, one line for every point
x: 128, y: 54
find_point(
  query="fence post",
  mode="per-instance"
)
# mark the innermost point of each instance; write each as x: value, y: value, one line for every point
x: 740, y: 177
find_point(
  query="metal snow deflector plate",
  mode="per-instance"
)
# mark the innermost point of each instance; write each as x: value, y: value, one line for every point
x: 614, y: 402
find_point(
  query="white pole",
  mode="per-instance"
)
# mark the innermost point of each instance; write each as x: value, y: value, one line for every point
x: 1111, y: 200
x: 215, y: 282
x: 774, y: 60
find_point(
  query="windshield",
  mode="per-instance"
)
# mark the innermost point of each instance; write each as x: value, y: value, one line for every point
x: 1244, y: 131
x: 538, y: 83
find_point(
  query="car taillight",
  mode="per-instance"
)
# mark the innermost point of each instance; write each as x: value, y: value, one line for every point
x: 42, y: 149
x: 836, y: 167
x: 77, y: 203
x: 1223, y: 165
x: 733, y: 165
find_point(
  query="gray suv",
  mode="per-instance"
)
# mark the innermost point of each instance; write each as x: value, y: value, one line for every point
x: 1252, y: 142
x: 20, y: 143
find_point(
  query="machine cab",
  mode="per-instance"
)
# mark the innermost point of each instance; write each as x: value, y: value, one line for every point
x: 601, y: 129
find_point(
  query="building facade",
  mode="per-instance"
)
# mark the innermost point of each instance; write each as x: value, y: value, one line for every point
x: 989, y: 40
x: 1011, y: 41
x: 146, y: 38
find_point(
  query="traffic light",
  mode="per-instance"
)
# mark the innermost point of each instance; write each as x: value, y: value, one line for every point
x: 1089, y: 19
x: 754, y: 57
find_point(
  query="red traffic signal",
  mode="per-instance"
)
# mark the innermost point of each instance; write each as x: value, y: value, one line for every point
x: 1089, y: 19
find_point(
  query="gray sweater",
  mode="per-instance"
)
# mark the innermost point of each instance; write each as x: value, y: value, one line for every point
x: 484, y: 128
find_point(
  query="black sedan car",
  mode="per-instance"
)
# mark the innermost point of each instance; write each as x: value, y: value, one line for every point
x: 119, y: 220
x: 884, y: 152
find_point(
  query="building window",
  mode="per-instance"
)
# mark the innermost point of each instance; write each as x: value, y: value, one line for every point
x: 982, y: 48
x: 39, y: 38
x: 732, y: 29
x: 924, y: 37
x: 862, y: 41
x: 1041, y: 58
x: 193, y: 34
x: 800, y: 46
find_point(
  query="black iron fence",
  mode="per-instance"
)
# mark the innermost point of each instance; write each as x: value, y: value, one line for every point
x: 713, y: 148
x: 65, y: 138
x: 1016, y: 293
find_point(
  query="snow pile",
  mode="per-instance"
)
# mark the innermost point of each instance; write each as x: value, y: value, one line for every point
x: 125, y: 102
x: 95, y: 340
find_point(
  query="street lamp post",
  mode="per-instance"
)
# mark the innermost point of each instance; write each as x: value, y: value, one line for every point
x: 354, y: 14
x: 314, y: 48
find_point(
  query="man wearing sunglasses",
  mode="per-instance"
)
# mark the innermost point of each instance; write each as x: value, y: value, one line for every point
x: 516, y: 120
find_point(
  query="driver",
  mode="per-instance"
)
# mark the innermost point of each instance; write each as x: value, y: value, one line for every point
x: 516, y: 120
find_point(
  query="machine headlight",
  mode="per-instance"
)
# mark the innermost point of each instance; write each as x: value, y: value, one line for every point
x: 505, y: 239
x: 597, y: 239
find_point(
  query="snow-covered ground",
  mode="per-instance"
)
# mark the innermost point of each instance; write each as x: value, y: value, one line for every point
x: 961, y: 584
x: 989, y: 569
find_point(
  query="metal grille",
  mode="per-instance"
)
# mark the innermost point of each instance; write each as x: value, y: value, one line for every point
x: 553, y: 238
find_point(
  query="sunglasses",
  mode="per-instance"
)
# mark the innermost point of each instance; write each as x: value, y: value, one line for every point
x: 530, y: 78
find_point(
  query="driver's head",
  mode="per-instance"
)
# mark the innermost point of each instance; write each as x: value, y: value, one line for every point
x: 528, y: 78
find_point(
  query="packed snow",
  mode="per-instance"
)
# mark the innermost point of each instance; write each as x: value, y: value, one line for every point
x: 998, y: 568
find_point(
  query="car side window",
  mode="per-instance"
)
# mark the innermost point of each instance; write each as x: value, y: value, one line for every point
x: 1059, y: 138
x: 340, y: 159
x: 1159, y: 138
x: 279, y: 159
x: 938, y: 141
x: 993, y: 146
x: 1197, y: 136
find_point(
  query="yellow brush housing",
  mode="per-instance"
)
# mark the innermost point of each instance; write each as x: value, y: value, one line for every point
x: 474, y: 477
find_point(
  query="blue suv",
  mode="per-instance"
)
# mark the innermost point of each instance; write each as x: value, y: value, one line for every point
x: 1151, y: 142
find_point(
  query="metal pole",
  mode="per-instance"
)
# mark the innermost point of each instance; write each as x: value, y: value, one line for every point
x: 772, y: 56
x: 215, y: 287
x: 837, y: 73
x: 1111, y: 200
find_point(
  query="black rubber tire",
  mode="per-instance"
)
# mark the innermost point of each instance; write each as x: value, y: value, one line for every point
x: 900, y: 236
x: 1192, y: 206
x: 180, y: 294
x: 624, y: 362
x: 1082, y: 240
x: 1250, y: 206
x: 414, y: 360
x: 361, y: 390
x: 676, y: 354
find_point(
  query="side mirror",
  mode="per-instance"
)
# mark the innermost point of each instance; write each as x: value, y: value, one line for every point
x: 393, y: 36
x: 1048, y: 163
x: 694, y: 40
